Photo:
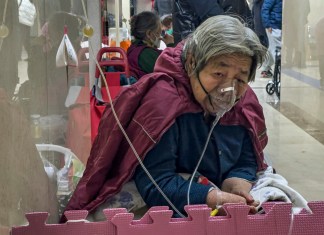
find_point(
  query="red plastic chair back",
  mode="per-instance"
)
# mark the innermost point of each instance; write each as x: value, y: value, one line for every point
x: 120, y: 66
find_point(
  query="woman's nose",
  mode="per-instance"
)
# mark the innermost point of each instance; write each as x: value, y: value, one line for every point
x: 229, y: 82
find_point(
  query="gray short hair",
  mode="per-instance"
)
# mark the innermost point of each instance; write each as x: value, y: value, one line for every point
x: 220, y: 35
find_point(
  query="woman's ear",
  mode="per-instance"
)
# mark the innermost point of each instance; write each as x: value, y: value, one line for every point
x: 191, y: 64
x: 149, y: 34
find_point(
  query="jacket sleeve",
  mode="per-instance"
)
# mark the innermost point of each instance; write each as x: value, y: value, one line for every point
x: 265, y: 12
x: 206, y: 8
x: 227, y: 6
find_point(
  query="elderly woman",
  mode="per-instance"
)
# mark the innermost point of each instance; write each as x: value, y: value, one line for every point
x: 168, y: 115
x: 143, y: 52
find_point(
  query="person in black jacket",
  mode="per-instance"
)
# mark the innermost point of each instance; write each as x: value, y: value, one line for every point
x: 259, y: 29
x: 189, y: 14
x: 239, y: 8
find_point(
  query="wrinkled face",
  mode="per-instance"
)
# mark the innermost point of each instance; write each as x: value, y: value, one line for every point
x: 222, y: 82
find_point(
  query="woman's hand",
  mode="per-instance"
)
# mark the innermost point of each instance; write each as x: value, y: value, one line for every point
x: 168, y: 39
x: 241, y: 188
x: 218, y: 198
x: 249, y: 201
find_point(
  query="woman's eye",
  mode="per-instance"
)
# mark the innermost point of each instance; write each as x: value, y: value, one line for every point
x: 219, y: 75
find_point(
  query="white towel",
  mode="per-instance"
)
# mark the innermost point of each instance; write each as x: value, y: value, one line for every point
x: 274, y: 187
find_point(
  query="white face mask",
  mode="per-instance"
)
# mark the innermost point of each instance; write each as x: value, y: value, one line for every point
x: 221, y: 99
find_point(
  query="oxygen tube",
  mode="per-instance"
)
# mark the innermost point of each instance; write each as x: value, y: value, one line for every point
x: 221, y: 99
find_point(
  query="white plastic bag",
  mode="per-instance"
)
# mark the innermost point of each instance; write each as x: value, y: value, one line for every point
x: 27, y: 12
x: 66, y: 55
x: 67, y: 177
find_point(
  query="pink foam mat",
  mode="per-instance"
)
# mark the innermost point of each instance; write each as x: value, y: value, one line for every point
x: 277, y: 220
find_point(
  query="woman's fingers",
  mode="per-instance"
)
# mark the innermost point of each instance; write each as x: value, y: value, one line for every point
x: 249, y: 199
x: 224, y: 197
x: 253, y: 210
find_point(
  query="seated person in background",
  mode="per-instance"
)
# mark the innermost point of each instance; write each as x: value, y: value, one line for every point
x: 166, y: 22
x: 168, y: 115
x: 187, y: 15
x: 143, y: 52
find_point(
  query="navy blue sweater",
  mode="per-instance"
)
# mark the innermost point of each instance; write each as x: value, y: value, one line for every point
x: 229, y: 154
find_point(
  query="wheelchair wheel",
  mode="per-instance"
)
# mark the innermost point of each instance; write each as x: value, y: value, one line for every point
x: 278, y: 82
x: 270, y: 88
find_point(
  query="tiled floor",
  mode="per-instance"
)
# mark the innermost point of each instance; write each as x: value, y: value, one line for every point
x: 296, y: 130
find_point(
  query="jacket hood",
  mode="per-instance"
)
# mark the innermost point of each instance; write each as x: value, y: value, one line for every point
x: 169, y: 62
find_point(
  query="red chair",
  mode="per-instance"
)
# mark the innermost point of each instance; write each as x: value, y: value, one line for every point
x: 99, y: 97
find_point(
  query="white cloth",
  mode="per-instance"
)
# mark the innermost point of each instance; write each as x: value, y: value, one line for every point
x: 274, y: 187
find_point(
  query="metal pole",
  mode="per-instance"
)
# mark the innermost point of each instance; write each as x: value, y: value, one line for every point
x: 117, y: 22
x: 94, y: 14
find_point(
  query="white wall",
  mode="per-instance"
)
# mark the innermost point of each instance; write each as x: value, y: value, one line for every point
x: 144, y: 5
x: 317, y: 11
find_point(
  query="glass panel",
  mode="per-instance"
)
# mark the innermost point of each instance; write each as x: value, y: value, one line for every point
x: 297, y: 132
x: 42, y: 103
x: 44, y: 99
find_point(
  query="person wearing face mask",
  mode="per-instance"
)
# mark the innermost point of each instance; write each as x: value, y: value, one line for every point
x: 144, y: 50
x: 198, y: 93
x: 166, y: 22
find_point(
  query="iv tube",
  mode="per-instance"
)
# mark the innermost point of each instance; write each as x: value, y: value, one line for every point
x: 218, y: 116
x: 202, y: 155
